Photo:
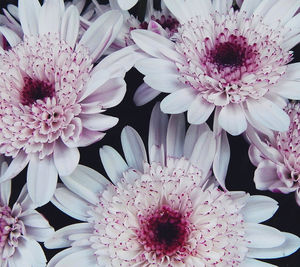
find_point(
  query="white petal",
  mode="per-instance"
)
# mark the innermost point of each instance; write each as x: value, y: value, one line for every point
x: 34, y: 219
x: 263, y: 236
x: 155, y: 44
x: 102, y: 33
x: 12, y: 38
x: 177, y: 102
x: 157, y: 135
x: 29, y: 12
x: 255, y: 263
x: 86, y: 183
x: 127, y: 4
x: 175, y: 136
x: 222, y: 6
x: 70, y: 26
x: 204, y: 152
x: 179, y: 9
x: 287, y: 89
x: 268, y: 114
x: 259, y: 209
x: 113, y: 163
x: 5, y: 187
x: 15, y: 167
x: 156, y: 66
x: 60, y: 239
x: 166, y: 83
x: 39, y: 234
x: 144, y: 94
x: 41, y: 179
x: 290, y: 245
x: 70, y: 203
x: 59, y: 256
x: 191, y: 137
x: 134, y: 149
x: 65, y: 159
x: 98, y: 122
x: 88, y: 137
x: 222, y: 157
x: 108, y: 94
x: 37, y: 252
x: 50, y: 16
x: 84, y: 257
x: 232, y: 119
x: 265, y: 175
x: 199, y: 111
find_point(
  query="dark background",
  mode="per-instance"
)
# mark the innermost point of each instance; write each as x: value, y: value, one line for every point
x: 239, y: 176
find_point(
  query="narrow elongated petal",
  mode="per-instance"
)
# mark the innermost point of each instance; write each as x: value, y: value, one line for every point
x: 70, y: 26
x: 29, y: 13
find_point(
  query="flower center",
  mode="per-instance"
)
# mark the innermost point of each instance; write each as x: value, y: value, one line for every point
x: 34, y: 90
x: 228, y: 54
x: 163, y: 232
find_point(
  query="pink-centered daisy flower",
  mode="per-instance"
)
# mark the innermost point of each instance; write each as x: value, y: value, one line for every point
x: 52, y: 96
x: 234, y: 62
x: 20, y: 228
x: 167, y: 211
x: 277, y: 156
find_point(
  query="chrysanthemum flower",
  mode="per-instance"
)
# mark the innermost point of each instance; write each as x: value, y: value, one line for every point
x: 231, y: 61
x: 277, y: 156
x: 51, y: 95
x: 167, y: 211
x: 20, y: 228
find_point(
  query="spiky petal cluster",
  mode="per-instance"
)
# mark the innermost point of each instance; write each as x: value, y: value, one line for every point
x: 233, y: 62
x: 277, y: 156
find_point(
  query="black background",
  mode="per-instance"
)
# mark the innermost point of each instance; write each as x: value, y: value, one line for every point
x: 239, y: 176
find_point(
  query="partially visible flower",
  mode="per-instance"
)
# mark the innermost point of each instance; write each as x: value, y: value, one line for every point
x: 20, y: 228
x: 277, y: 156
x: 234, y: 62
x: 167, y: 211
x: 51, y: 95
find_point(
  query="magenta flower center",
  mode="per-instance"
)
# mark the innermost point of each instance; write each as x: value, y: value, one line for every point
x: 163, y: 232
x: 228, y: 54
x: 34, y: 90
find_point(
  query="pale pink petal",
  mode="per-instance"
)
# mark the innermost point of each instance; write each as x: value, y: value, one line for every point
x: 263, y: 236
x: 175, y: 136
x: 199, y: 111
x: 255, y: 263
x: 265, y: 175
x: 70, y: 203
x: 65, y: 158
x: 86, y: 182
x: 60, y: 239
x: 268, y: 114
x: 156, y: 66
x: 88, y: 137
x: 108, y: 94
x: 11, y: 37
x: 15, y: 167
x: 222, y: 6
x: 29, y: 13
x: 177, y: 102
x: 157, y: 135
x: 41, y: 179
x: 259, y: 209
x: 113, y: 163
x: 232, y: 119
x: 127, y: 4
x: 255, y: 155
x: 50, y: 16
x: 287, y: 89
x: 59, y: 256
x: 134, y: 149
x: 98, y: 122
x: 70, y: 26
x: 289, y: 246
x: 102, y: 33
x: 144, y: 94
x: 5, y: 187
x: 222, y: 157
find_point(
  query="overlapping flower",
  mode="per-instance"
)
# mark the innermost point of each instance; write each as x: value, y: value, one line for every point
x: 167, y: 211
x: 231, y: 61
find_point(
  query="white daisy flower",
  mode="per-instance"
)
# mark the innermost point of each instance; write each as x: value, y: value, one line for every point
x: 277, y: 156
x: 51, y: 95
x: 231, y: 61
x: 167, y: 211
x: 20, y: 228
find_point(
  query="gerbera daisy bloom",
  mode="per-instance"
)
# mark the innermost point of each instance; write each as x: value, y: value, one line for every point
x: 20, y: 228
x: 234, y: 62
x: 277, y: 156
x: 167, y: 211
x: 51, y: 95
